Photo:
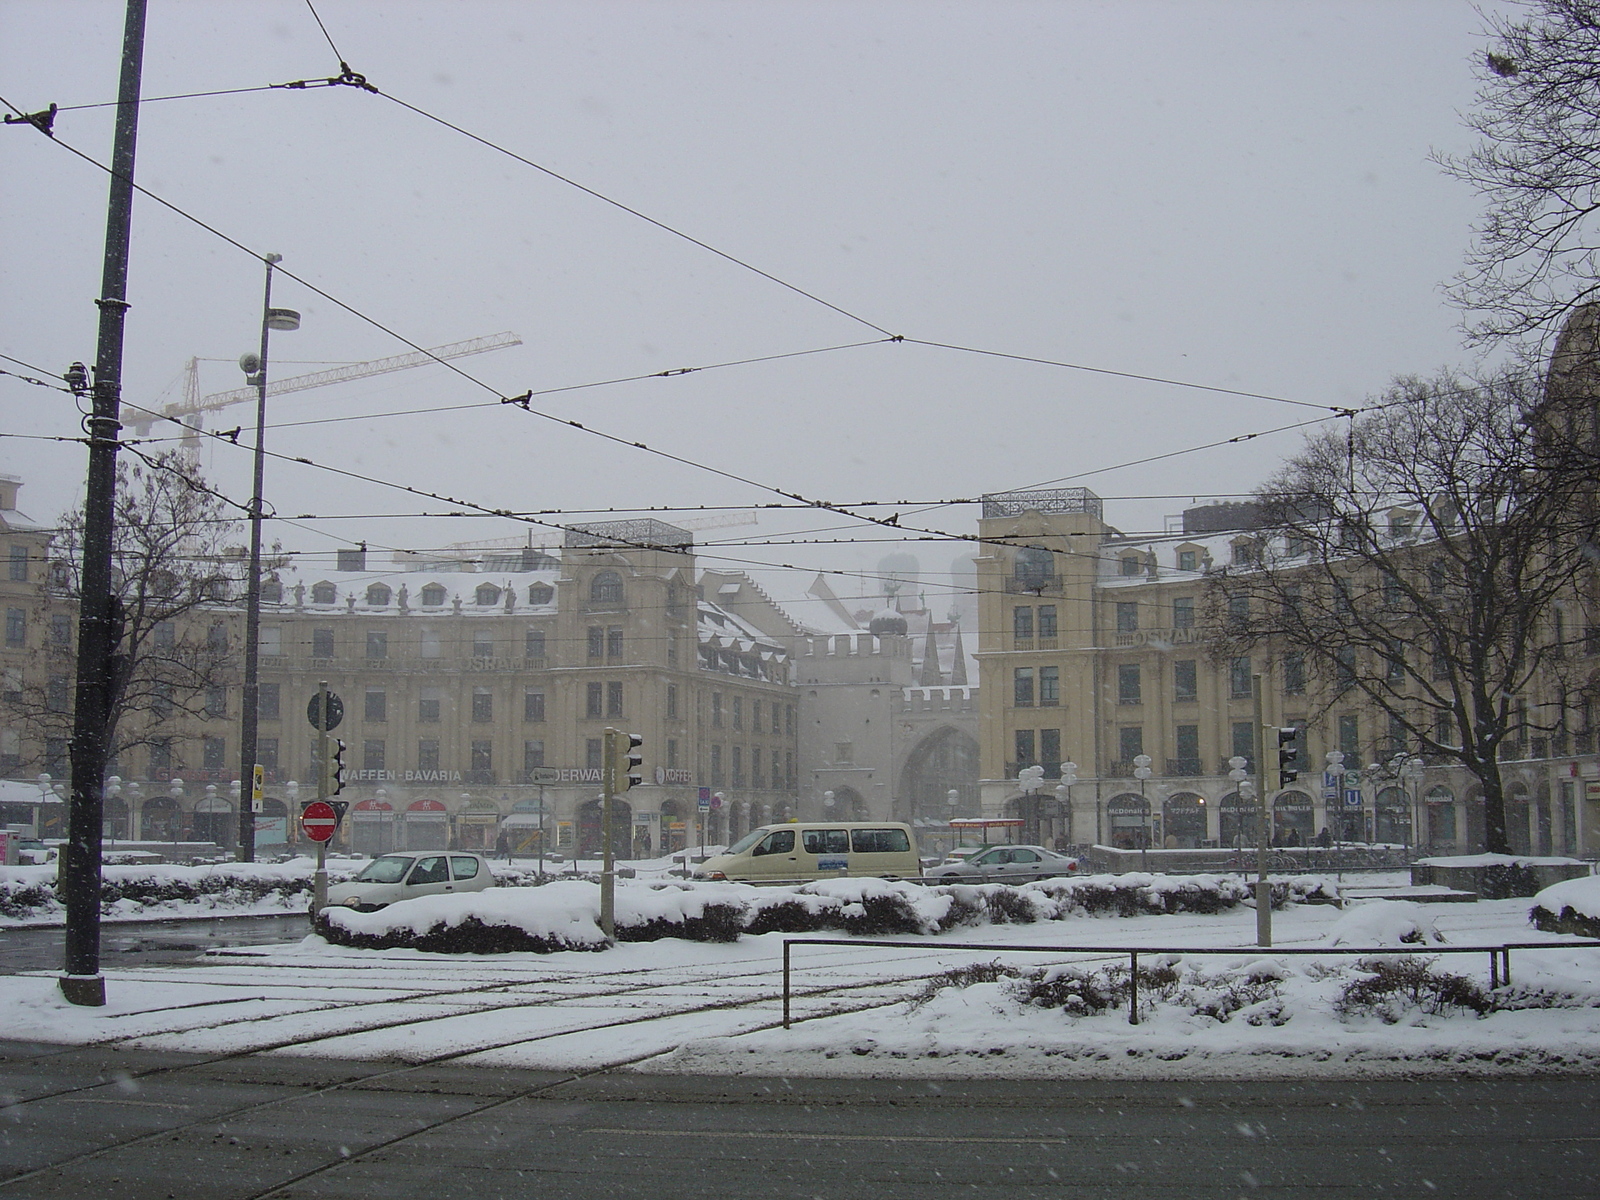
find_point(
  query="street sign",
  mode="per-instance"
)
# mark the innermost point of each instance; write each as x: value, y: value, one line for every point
x: 335, y: 711
x: 319, y: 820
x: 716, y: 799
x: 703, y: 800
x: 544, y: 775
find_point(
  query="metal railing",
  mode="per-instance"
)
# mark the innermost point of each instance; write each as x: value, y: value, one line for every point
x: 1499, y: 956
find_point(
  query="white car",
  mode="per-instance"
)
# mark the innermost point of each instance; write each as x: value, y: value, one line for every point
x: 392, y: 877
x: 1007, y: 864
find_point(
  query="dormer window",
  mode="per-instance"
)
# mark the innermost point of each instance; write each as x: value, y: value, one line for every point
x: 1130, y: 564
x: 541, y: 593
x: 606, y: 588
x: 487, y: 594
x: 1188, y: 560
x: 377, y: 595
x: 433, y: 595
x: 1246, y: 553
x: 1402, y: 523
x: 324, y: 593
x: 271, y: 591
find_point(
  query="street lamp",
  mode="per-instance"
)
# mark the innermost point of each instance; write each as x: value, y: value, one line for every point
x: 1412, y: 773
x: 953, y: 799
x: 1141, y: 772
x: 1239, y: 772
x: 255, y: 369
x: 1030, y: 780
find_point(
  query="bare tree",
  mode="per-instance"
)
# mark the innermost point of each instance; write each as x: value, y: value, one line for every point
x: 1417, y: 565
x: 1538, y: 168
x: 175, y: 569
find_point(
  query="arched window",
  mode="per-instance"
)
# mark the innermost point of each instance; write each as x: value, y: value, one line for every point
x: 324, y: 593
x: 1034, y: 567
x: 487, y: 594
x: 606, y: 588
x: 433, y: 595
x: 377, y: 595
x: 541, y: 593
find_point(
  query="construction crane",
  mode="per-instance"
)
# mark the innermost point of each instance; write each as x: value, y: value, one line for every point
x: 187, y: 411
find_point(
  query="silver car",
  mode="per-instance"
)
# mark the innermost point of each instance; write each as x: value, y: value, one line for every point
x: 392, y: 877
x: 1007, y: 864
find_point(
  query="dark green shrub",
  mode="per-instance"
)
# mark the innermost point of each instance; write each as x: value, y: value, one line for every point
x: 1502, y: 881
x: 880, y: 914
x: 787, y: 916
x: 1007, y: 906
x: 1568, y: 920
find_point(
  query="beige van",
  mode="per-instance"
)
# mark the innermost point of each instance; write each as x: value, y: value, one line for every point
x: 818, y: 850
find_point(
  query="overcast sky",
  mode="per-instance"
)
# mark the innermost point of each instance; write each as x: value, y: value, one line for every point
x: 1232, y: 194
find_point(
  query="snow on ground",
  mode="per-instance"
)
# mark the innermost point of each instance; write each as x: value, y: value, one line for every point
x: 709, y: 1008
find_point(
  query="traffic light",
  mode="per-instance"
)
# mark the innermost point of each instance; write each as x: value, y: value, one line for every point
x: 629, y: 762
x: 335, y: 768
x: 1288, y: 756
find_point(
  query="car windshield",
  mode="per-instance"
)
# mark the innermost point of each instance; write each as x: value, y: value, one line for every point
x: 748, y: 840
x: 387, y: 869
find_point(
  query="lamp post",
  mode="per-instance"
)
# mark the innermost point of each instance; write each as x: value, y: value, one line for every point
x: 1412, y: 773
x: 1069, y: 776
x: 1141, y: 772
x: 255, y: 369
x: 113, y: 789
x: 953, y: 799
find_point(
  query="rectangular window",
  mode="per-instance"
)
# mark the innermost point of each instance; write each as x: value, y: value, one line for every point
x: 758, y: 778
x: 1294, y: 674
x: 755, y: 716
x: 482, y: 643
x: 482, y: 705
x: 56, y: 694
x: 166, y: 634
x: 1239, y: 678
x: 738, y: 712
x: 1127, y: 616
x: 614, y: 641
x: 1350, y: 740
x: 1049, y: 686
x: 372, y: 754
x: 1130, y: 743
x: 597, y: 641
x: 428, y: 705
x: 672, y: 702
x: 1397, y: 737
x: 1050, y: 750
x: 1185, y: 681
x: 736, y: 763
x: 1187, y: 743
x: 533, y: 643
x: 213, y: 753
x: 532, y: 755
x: 1047, y: 620
x: 160, y: 700
x: 533, y: 704
x: 1444, y: 728
x: 267, y: 754
x: 672, y: 752
x: 268, y: 700
x: 160, y: 756
x: 216, y: 701
x: 788, y: 720
x: 716, y: 766
x: 377, y: 708
x: 377, y: 644
x: 716, y: 710
x: 429, y: 643
x: 1188, y: 560
x: 1022, y: 621
x: 1183, y: 612
x: 1238, y: 612
x: 322, y: 643
x: 16, y: 626
x: 1129, y: 690
x: 1022, y: 687
x: 1395, y: 665
x: 594, y: 700
x: 19, y: 564
x: 217, y: 636
x: 483, y: 761
x: 427, y: 754
x: 1025, y: 748
x: 60, y: 629
x: 614, y: 698
x: 271, y: 640
x: 844, y: 753
x: 1344, y: 661
x: 1244, y: 743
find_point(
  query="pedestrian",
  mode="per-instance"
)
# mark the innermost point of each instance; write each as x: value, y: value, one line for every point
x: 502, y: 846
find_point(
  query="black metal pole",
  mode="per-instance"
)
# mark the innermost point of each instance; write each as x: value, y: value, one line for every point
x: 98, y: 621
x: 250, y: 702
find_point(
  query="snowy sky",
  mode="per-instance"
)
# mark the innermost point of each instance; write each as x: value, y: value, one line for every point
x: 1231, y: 193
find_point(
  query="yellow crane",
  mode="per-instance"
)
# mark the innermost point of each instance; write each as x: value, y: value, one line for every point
x: 187, y: 412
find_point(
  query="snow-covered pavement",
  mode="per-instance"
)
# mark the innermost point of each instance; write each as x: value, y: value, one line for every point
x: 688, y: 1007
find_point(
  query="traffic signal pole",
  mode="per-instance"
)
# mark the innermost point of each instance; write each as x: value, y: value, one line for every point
x: 1263, y: 888
x: 319, y: 880
x: 608, y: 878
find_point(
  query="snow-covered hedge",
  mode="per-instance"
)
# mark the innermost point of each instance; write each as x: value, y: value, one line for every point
x: 1572, y: 906
x: 31, y: 894
x: 565, y: 914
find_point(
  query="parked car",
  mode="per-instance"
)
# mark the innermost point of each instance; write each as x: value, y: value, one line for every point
x: 34, y: 852
x: 818, y: 850
x: 392, y: 877
x: 1007, y: 864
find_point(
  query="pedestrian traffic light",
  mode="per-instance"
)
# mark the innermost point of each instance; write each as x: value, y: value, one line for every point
x: 335, y: 768
x: 1288, y: 755
x: 629, y: 762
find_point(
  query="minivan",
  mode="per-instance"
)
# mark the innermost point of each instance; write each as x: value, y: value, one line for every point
x: 802, y: 850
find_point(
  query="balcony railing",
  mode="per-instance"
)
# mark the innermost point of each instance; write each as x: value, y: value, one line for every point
x: 1183, y: 766
x: 1052, y: 769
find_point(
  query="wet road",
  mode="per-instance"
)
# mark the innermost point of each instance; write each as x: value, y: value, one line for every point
x: 146, y: 942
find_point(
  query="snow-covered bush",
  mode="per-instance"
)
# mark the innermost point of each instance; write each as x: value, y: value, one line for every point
x: 1390, y: 987
x: 1571, y: 906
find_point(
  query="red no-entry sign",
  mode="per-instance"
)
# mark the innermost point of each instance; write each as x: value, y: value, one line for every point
x: 319, y: 821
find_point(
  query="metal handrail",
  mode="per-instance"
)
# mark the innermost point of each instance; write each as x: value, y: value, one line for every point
x: 1499, y: 956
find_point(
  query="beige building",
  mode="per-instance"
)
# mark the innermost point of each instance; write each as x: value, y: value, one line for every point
x: 1093, y: 652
